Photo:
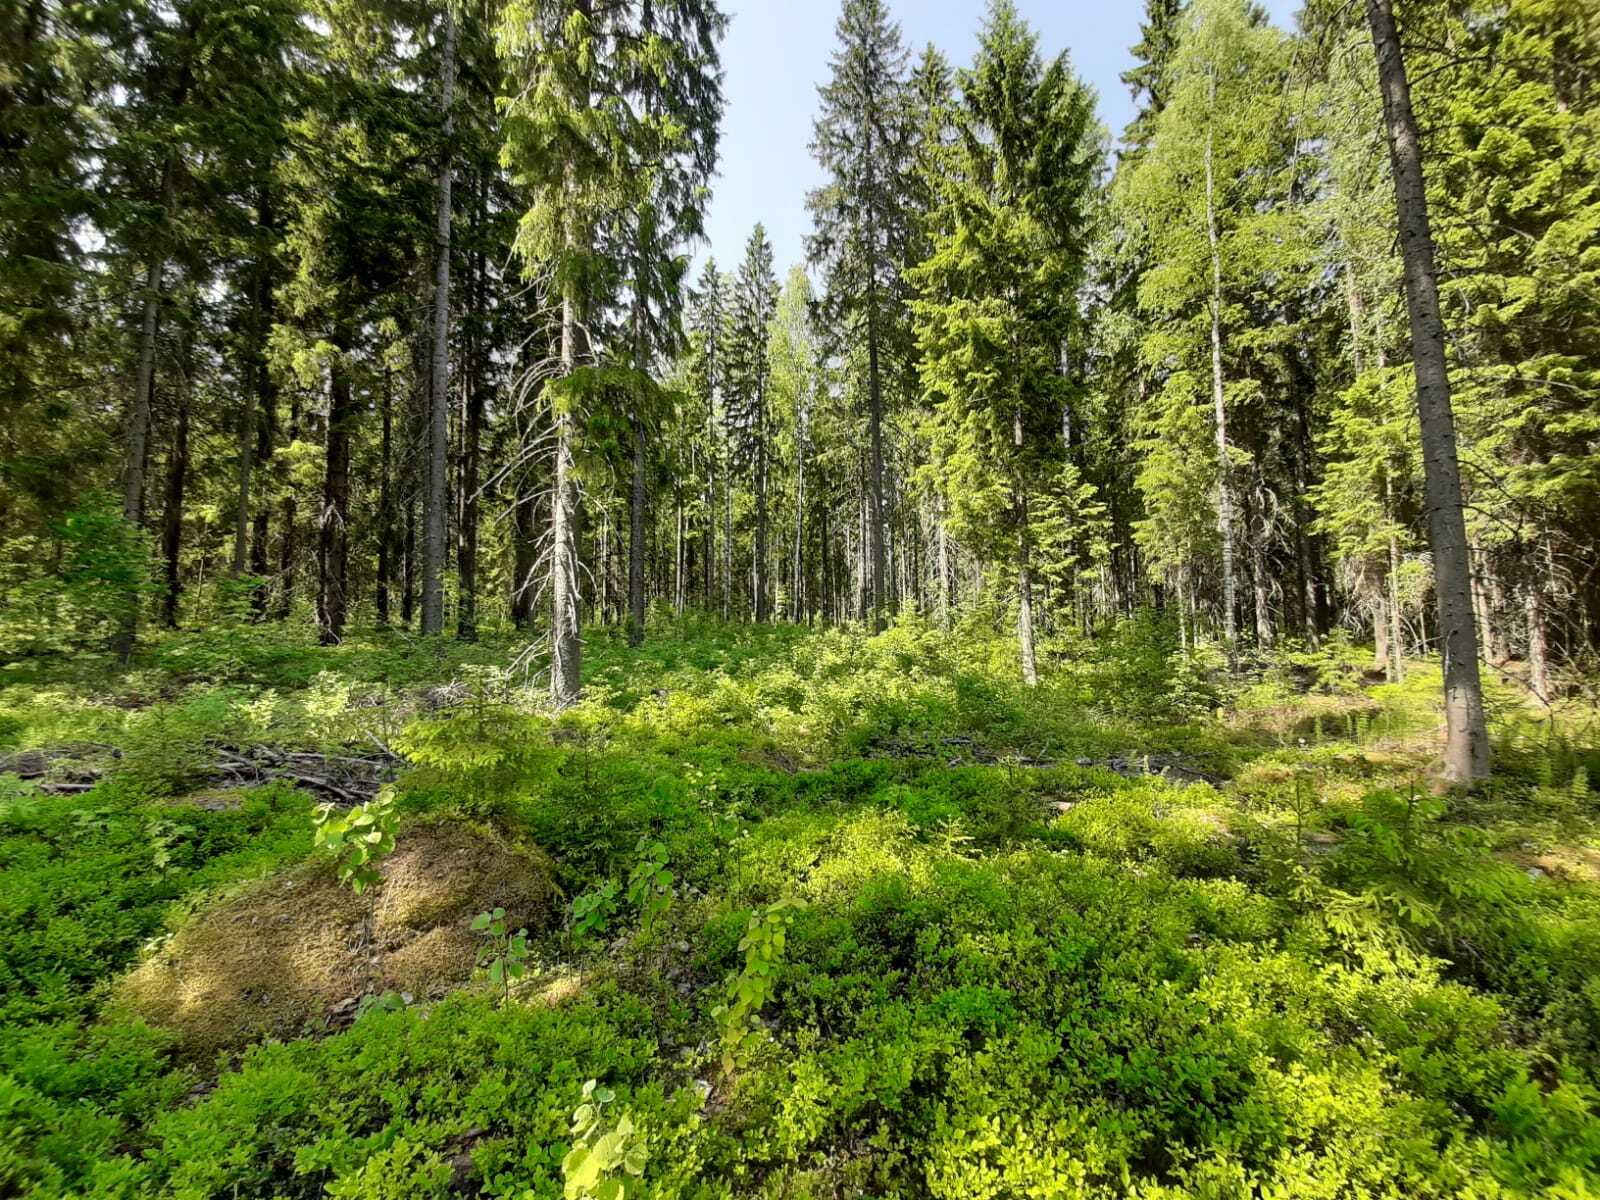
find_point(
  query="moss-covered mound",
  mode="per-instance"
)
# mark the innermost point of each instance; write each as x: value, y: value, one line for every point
x: 288, y: 953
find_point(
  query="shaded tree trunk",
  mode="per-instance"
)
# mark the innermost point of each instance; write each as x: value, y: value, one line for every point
x: 288, y: 543
x: 1025, y: 638
x: 636, y: 493
x: 172, y: 510
x: 1536, y: 614
x: 385, y: 504
x: 255, y: 401
x: 1466, y: 757
x: 471, y: 457
x: 524, y: 559
x: 434, y: 500
x: 333, y: 529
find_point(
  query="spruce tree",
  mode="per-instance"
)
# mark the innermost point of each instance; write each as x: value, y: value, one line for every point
x: 754, y: 300
x: 863, y: 138
x: 1016, y: 192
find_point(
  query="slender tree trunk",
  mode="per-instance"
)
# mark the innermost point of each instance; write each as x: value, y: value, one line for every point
x: 247, y: 448
x: 1261, y: 582
x: 172, y: 510
x: 524, y: 559
x: 288, y: 542
x: 874, y: 561
x: 759, y: 575
x: 136, y: 427
x: 1536, y: 614
x: 1397, y: 644
x: 727, y: 545
x: 333, y: 533
x: 1466, y: 757
x: 1230, y: 632
x: 136, y: 422
x: 1383, y: 652
x: 636, y: 494
x: 798, y: 604
x: 434, y: 501
x: 565, y: 633
x: 471, y: 484
x: 385, y: 504
x: 1030, y: 663
x: 946, y: 582
x: 680, y: 550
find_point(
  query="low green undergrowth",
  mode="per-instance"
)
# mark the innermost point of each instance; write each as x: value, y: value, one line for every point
x: 845, y: 915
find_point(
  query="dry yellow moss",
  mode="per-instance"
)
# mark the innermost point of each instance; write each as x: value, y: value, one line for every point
x: 275, y: 959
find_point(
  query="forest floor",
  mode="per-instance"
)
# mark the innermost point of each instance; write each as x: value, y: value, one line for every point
x: 821, y: 914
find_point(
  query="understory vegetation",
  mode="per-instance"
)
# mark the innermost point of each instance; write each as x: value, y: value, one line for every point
x: 782, y: 912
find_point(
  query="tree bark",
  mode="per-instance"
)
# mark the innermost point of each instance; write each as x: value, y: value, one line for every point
x: 944, y: 570
x: 1535, y: 611
x: 471, y: 456
x: 385, y: 504
x: 797, y: 602
x: 1466, y: 756
x: 875, y: 559
x: 636, y: 494
x: 172, y: 510
x: 759, y: 566
x: 1230, y: 631
x: 288, y: 544
x: 524, y: 560
x: 1025, y: 638
x: 433, y: 537
x: 1397, y: 644
x: 136, y: 421
x: 565, y: 633
x: 333, y: 532
x: 255, y: 400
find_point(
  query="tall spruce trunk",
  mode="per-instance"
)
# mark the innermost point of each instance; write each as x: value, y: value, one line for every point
x: 636, y: 493
x: 172, y: 509
x: 247, y: 452
x: 333, y: 530
x: 565, y: 633
x: 265, y: 425
x: 1536, y: 613
x: 255, y: 401
x: 727, y: 544
x: 945, y: 581
x: 524, y: 559
x: 385, y: 503
x: 1466, y: 755
x: 798, y: 589
x: 471, y: 455
x: 758, y: 583
x: 1397, y: 645
x: 874, y: 515
x: 136, y: 420
x: 1230, y: 632
x: 434, y: 500
x: 1025, y: 638
x: 288, y: 540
